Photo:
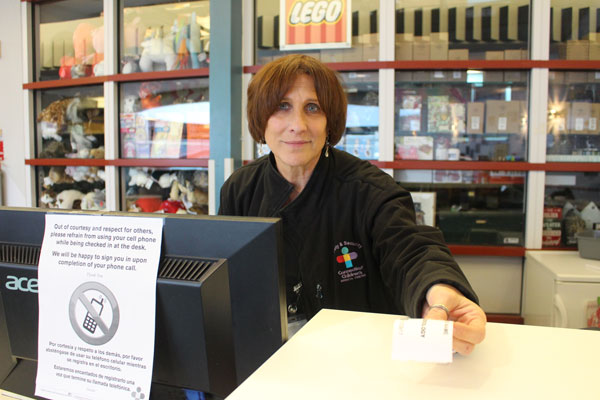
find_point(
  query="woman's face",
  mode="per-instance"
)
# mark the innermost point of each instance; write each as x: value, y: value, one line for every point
x: 296, y: 132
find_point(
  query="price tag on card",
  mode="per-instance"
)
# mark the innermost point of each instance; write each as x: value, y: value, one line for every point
x: 592, y: 124
x: 456, y: 74
x: 475, y: 122
x: 578, y: 124
x: 425, y: 340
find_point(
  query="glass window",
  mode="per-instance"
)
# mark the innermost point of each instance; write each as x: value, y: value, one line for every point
x: 171, y: 190
x: 69, y: 40
x: 164, y: 35
x: 459, y: 30
x: 573, y: 116
x: 165, y: 119
x: 471, y: 207
x: 70, y: 122
x: 365, y: 41
x: 574, y: 33
x: 571, y: 201
x: 72, y: 187
x: 461, y: 115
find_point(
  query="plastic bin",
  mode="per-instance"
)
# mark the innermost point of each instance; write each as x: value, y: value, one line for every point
x: 588, y: 243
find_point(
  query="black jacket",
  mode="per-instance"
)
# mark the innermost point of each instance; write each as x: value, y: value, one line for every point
x: 350, y: 236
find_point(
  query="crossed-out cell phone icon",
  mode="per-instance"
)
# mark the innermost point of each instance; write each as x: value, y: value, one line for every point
x: 89, y: 323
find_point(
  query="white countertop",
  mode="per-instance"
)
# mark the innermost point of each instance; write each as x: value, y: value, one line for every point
x: 347, y: 355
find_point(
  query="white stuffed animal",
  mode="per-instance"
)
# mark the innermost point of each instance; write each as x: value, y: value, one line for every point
x: 157, y: 49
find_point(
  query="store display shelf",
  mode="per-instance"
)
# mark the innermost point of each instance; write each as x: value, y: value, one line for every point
x: 571, y: 166
x: 88, y: 162
x: 92, y: 80
x: 459, y: 165
x: 160, y: 162
x: 138, y: 76
x: 160, y: 75
x: 456, y: 64
x: 502, y: 251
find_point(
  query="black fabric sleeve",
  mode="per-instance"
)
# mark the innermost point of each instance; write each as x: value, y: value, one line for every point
x: 412, y: 258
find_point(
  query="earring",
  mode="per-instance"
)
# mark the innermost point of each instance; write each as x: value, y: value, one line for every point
x: 327, y: 147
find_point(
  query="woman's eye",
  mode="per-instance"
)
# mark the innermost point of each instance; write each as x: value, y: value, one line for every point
x: 284, y: 106
x: 312, y: 107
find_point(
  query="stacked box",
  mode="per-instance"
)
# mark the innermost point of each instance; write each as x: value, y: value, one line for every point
x: 458, y: 54
x: 580, y: 116
x: 422, y: 48
x: 438, y: 49
x: 514, y: 76
x: 502, y: 116
x: 475, y: 115
x: 404, y: 46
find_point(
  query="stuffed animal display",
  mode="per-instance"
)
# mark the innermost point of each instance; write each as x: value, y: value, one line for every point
x: 74, y: 188
x: 185, y: 45
x: 168, y: 192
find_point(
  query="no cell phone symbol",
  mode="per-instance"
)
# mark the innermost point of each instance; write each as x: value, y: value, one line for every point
x: 94, y: 313
x: 347, y: 257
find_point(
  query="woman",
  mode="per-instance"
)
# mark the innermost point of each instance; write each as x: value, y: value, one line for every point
x: 350, y: 238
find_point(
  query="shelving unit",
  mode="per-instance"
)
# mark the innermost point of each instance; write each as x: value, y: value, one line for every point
x: 227, y: 152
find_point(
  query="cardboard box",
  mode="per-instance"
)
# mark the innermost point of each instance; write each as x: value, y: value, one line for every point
x: 421, y: 76
x: 475, y: 115
x: 556, y: 77
x: 355, y: 53
x: 502, y: 116
x: 574, y: 50
x: 457, y: 76
x: 594, y: 51
x: 404, y: 76
x: 576, y: 77
x: 369, y: 39
x: 332, y: 56
x: 494, y: 55
x: 580, y: 116
x: 439, y: 36
x: 404, y: 51
x: 370, y: 52
x: 458, y: 54
x: 515, y: 76
x: 404, y: 37
x: 594, y: 76
x: 594, y: 121
x: 421, y: 50
x: 438, y: 51
x: 493, y: 76
x: 513, y: 54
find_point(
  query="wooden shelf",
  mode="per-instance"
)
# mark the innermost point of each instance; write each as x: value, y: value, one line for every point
x: 122, y: 162
x: 88, y: 162
x: 135, y: 77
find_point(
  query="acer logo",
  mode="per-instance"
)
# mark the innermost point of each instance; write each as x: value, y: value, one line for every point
x: 22, y: 284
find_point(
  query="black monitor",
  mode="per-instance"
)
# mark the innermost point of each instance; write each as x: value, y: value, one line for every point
x: 214, y: 327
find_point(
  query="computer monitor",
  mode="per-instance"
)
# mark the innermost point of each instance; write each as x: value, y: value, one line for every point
x: 212, y: 331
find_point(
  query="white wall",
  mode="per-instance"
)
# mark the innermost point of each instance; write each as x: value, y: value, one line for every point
x: 11, y: 104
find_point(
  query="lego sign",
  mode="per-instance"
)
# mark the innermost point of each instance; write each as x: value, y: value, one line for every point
x: 324, y: 24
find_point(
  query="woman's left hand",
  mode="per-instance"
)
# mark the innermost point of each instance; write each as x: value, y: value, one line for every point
x: 469, y: 319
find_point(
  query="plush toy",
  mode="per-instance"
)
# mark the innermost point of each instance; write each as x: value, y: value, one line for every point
x: 69, y: 199
x: 97, y: 153
x: 55, y: 112
x: 80, y: 142
x: 48, y: 199
x: 130, y: 104
x: 140, y: 177
x: 166, y: 180
x: 56, y: 175
x: 148, y: 95
x: 95, y: 200
x: 158, y: 53
x: 54, y: 149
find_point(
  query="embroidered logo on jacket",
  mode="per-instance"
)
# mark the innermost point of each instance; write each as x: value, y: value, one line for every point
x: 347, y: 259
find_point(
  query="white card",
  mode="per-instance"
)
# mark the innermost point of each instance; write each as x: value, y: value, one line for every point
x: 425, y: 340
x: 502, y: 122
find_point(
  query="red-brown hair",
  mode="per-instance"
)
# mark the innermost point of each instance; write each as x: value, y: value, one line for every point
x: 275, y: 79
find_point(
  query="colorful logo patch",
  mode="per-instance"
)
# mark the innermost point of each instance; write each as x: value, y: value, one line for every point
x: 347, y: 257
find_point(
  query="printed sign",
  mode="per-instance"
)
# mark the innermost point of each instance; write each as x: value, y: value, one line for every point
x: 97, y: 297
x: 324, y: 24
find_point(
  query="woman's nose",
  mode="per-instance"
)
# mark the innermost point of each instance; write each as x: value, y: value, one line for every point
x: 297, y: 121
